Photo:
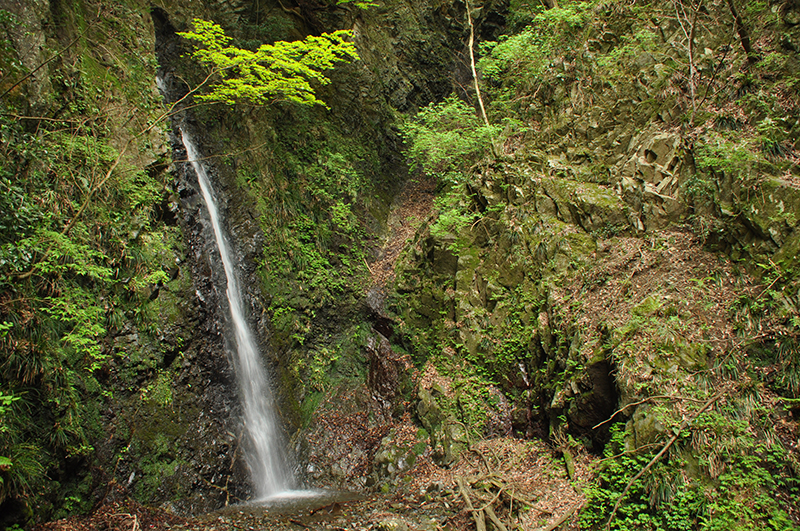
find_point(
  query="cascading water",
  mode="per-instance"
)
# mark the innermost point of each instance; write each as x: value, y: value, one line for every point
x: 264, y: 453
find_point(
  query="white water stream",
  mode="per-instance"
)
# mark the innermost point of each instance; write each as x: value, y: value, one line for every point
x: 270, y: 474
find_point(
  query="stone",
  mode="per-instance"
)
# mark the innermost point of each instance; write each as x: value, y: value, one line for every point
x: 646, y: 427
x: 392, y: 524
x: 791, y: 18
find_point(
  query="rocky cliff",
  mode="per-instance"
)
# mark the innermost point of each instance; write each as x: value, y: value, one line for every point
x: 608, y: 265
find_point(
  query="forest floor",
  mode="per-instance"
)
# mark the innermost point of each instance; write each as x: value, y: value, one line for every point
x: 411, y: 208
x: 521, y: 484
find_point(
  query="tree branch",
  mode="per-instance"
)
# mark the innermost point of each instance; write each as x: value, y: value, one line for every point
x: 658, y: 456
x: 475, y: 72
x: 563, y: 518
x: 480, y: 521
x: 744, y: 35
x: 59, y: 54
x: 169, y: 112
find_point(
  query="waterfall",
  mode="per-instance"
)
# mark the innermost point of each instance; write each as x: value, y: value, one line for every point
x: 263, y: 450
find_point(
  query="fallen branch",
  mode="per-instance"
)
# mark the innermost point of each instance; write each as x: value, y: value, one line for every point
x: 483, y: 458
x: 503, y: 488
x: 495, y: 520
x: 224, y: 489
x: 478, y: 516
x: 642, y: 401
x: 658, y: 456
x: 563, y: 518
x: 128, y: 515
x: 489, y: 504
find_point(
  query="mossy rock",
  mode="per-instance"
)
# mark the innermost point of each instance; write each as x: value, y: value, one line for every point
x: 448, y: 437
x: 773, y: 211
x: 592, y: 207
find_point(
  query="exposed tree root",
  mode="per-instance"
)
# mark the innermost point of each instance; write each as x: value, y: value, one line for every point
x: 563, y: 518
x: 503, y: 500
x: 478, y: 515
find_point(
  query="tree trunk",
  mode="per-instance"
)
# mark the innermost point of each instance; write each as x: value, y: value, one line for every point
x: 744, y: 35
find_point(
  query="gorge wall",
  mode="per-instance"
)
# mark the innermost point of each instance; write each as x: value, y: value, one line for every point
x: 621, y: 243
x: 161, y: 417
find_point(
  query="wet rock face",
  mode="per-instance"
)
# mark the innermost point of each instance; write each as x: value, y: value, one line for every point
x: 214, y: 441
x: 179, y: 434
x: 388, y: 377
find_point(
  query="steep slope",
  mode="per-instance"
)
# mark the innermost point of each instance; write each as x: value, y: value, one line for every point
x: 621, y: 276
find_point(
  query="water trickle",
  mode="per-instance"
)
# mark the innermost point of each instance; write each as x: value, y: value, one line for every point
x: 263, y: 452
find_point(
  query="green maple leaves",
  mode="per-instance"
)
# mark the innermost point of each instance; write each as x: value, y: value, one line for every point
x: 274, y: 72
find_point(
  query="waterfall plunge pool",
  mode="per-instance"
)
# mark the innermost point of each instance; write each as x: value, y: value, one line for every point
x: 293, y: 502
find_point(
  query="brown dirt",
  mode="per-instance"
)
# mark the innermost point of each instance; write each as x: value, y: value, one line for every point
x: 680, y: 294
x: 508, y: 473
x: 414, y: 204
x: 116, y: 512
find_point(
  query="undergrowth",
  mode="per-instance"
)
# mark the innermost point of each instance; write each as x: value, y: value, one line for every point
x: 83, y: 248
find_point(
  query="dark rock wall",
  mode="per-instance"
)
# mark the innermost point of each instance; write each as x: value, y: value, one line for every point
x: 410, y: 55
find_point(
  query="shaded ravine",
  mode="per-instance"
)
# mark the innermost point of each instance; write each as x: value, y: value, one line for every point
x: 266, y: 459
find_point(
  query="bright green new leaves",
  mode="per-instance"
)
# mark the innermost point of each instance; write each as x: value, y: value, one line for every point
x: 274, y: 72
x: 447, y: 138
x: 357, y: 3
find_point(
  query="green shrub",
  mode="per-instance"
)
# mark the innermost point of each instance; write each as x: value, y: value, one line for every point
x: 446, y: 139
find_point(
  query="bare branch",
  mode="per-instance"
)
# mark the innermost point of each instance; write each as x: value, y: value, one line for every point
x: 658, y: 456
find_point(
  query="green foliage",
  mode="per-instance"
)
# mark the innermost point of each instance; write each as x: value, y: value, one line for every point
x: 357, y: 3
x: 61, y: 255
x: 158, y: 465
x: 18, y: 212
x: 10, y: 65
x: 520, y: 68
x: 274, y: 72
x: 778, y: 359
x: 732, y: 155
x: 745, y: 482
x: 5, y: 403
x: 445, y: 139
x: 526, y: 54
x: 454, y: 214
x: 474, y: 402
x: 80, y: 248
x: 160, y: 390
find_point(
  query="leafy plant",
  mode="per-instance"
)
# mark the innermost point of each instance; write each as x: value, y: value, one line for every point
x: 81, y: 244
x: 274, y: 72
x: 744, y: 489
x: 447, y: 138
